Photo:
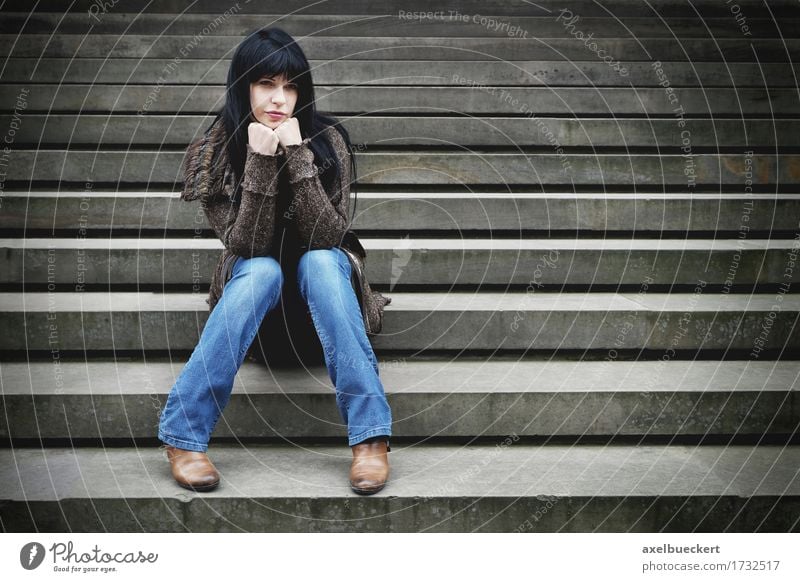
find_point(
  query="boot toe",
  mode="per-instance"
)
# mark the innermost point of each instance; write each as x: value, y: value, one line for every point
x: 369, y: 470
x: 192, y: 470
x: 201, y: 483
x: 366, y: 486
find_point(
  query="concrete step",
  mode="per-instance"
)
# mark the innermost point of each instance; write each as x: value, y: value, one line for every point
x: 179, y: 130
x: 530, y: 262
x: 669, y: 324
x: 452, y: 168
x: 671, y: 8
x: 331, y: 55
x: 405, y: 211
x: 505, y: 485
x: 586, y: 73
x: 397, y: 24
x: 485, y: 98
x: 465, y: 397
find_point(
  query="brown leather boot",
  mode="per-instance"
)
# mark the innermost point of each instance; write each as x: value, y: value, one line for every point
x: 192, y: 469
x: 370, y: 467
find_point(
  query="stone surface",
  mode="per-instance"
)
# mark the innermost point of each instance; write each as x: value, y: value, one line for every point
x: 420, y: 261
x: 448, y: 168
x: 565, y: 101
x: 418, y: 321
x: 455, y: 398
x: 178, y: 130
x: 502, y: 486
x: 452, y: 167
x: 502, y: 214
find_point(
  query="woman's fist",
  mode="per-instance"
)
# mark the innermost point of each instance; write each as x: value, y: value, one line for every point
x: 289, y: 132
x: 262, y: 139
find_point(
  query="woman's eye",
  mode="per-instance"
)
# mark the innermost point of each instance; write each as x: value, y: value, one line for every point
x: 290, y: 86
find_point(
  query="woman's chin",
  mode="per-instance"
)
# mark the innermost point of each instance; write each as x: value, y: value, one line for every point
x: 273, y: 123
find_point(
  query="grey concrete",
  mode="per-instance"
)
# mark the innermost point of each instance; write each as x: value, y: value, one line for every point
x: 408, y: 71
x: 500, y: 486
x: 450, y: 168
x: 553, y: 262
x: 667, y: 8
x: 429, y: 131
x: 337, y: 54
x: 430, y: 321
x: 411, y: 302
x: 543, y: 101
x: 461, y: 397
x: 390, y: 24
x: 447, y: 212
x: 496, y: 72
x: 456, y: 376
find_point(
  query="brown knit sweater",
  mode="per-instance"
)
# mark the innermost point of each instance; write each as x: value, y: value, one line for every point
x: 248, y: 228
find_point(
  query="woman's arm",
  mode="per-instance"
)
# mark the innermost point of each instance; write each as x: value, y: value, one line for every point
x: 320, y: 223
x: 248, y: 232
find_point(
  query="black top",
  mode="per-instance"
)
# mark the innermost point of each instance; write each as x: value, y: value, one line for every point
x: 287, y: 247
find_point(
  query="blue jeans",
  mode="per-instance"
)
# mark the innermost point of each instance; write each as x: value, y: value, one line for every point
x: 203, y: 388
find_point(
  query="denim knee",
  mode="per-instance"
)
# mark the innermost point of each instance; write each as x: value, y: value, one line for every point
x: 263, y: 268
x: 321, y: 265
x: 265, y: 272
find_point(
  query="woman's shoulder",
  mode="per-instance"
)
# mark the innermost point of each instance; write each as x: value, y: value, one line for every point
x: 337, y: 140
x: 201, y: 163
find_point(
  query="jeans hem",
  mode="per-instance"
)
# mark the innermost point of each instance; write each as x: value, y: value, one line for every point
x: 182, y: 444
x: 354, y: 440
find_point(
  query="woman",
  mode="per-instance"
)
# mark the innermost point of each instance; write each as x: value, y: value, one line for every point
x: 273, y: 176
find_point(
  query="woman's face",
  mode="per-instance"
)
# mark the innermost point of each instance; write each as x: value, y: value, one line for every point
x: 272, y: 94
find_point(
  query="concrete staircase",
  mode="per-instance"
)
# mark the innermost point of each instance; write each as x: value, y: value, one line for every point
x: 595, y: 309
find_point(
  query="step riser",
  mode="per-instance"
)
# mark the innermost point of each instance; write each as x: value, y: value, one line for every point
x: 466, y: 398
x: 542, y: 101
x: 359, y: 50
x: 420, y: 415
x: 437, y: 330
x: 729, y: 513
x: 580, y: 73
x: 179, y: 131
x: 474, y: 212
x: 664, y: 8
x: 453, y: 169
x: 391, y: 267
x: 394, y: 25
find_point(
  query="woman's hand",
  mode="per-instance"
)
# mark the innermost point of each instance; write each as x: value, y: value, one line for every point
x: 288, y: 132
x: 262, y: 139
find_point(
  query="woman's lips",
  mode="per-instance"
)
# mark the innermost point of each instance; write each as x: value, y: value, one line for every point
x: 275, y: 115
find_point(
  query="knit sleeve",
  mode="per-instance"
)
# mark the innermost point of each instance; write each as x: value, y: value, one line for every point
x: 320, y: 223
x: 247, y: 229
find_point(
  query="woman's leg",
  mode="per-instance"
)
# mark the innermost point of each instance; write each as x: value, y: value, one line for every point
x: 323, y: 276
x: 204, y: 386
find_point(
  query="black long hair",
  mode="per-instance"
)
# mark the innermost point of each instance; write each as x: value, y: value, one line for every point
x: 272, y: 51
